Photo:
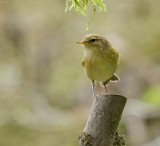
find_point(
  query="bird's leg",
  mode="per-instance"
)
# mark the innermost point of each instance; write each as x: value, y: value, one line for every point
x: 105, y: 88
x: 93, y: 84
x: 105, y: 85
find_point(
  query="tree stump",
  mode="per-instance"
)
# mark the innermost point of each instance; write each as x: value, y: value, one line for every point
x: 100, y: 129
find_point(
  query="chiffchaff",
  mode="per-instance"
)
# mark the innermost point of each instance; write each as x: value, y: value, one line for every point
x: 100, y: 60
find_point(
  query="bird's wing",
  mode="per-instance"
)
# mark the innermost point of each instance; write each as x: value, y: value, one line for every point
x: 83, y: 63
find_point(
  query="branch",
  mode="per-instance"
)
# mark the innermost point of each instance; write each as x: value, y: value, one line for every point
x: 103, y: 121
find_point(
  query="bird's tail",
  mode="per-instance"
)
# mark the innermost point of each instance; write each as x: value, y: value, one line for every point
x: 114, y: 78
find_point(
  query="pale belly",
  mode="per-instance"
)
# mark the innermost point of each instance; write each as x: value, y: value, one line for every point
x: 100, y: 70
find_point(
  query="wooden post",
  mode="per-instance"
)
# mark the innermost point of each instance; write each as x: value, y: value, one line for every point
x: 100, y: 129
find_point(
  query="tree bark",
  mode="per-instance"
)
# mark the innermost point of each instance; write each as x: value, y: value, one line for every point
x: 100, y: 129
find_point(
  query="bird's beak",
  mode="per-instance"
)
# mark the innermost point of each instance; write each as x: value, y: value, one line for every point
x: 82, y: 42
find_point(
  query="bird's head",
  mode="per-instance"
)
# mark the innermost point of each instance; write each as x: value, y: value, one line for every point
x: 94, y: 42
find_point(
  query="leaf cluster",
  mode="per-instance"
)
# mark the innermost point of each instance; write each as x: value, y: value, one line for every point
x: 81, y: 6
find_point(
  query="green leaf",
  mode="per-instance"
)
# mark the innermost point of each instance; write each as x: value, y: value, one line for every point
x: 80, y: 6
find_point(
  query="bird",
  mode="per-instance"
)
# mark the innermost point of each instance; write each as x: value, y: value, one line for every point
x: 100, y: 60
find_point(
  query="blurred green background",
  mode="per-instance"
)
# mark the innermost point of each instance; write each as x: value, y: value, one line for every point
x: 45, y: 96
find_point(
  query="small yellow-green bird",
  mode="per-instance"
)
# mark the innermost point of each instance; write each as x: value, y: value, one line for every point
x: 100, y: 60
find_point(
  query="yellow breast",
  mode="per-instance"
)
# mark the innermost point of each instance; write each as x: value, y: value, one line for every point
x: 100, y: 67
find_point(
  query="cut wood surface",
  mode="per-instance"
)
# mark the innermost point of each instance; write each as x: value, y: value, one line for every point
x: 100, y: 129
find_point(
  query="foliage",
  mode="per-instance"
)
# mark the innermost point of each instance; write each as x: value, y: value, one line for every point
x: 152, y: 96
x: 81, y: 6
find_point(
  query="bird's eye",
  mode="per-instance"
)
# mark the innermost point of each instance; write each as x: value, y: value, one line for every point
x: 93, y: 40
